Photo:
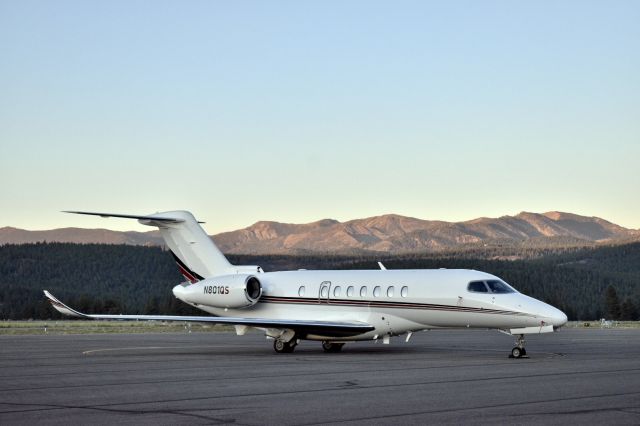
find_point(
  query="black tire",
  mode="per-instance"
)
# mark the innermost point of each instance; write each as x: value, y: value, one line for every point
x: 332, y: 347
x: 282, y: 347
x: 279, y: 346
x: 524, y: 352
x: 516, y: 352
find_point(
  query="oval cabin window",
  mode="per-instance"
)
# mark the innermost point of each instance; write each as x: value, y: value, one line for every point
x: 404, y: 292
x: 363, y: 291
x: 390, y: 291
x: 376, y: 291
x: 336, y: 291
x: 324, y: 293
x: 350, y: 291
x: 301, y: 291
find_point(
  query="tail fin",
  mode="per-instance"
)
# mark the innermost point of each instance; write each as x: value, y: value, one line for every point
x: 196, y: 254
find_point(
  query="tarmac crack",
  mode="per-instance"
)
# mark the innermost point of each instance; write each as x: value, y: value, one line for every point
x: 478, y: 407
x: 583, y: 411
x: 218, y: 379
x: 343, y: 388
x: 181, y: 412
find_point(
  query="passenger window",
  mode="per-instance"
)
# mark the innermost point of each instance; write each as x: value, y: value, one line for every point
x: 390, y: 291
x: 301, y: 291
x: 477, y: 287
x: 324, y: 293
x: 363, y: 291
x: 404, y: 292
x: 496, y: 286
x: 350, y: 291
x: 376, y: 291
x: 336, y: 291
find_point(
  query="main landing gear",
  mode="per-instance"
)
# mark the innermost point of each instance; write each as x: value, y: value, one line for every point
x: 519, y: 351
x: 282, y: 347
x: 332, y: 347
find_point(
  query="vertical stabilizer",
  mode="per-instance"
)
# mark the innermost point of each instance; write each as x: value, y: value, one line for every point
x: 192, y: 248
x: 194, y: 251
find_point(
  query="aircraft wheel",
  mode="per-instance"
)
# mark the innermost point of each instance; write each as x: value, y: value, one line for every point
x: 332, y: 347
x: 282, y: 347
x: 519, y: 351
x: 278, y: 346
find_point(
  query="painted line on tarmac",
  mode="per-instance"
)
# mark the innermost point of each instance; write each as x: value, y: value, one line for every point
x: 144, y: 348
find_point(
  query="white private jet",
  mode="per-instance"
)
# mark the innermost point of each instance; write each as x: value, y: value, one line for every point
x: 333, y: 307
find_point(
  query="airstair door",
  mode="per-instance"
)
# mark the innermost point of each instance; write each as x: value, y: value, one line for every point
x: 324, y: 292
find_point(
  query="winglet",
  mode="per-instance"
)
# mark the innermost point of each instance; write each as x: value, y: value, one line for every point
x: 61, y: 307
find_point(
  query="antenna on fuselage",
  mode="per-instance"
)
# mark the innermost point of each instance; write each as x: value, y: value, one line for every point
x: 382, y: 266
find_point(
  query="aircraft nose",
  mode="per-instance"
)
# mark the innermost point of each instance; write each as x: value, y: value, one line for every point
x: 558, y: 318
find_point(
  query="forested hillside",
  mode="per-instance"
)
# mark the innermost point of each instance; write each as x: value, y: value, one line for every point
x: 134, y: 279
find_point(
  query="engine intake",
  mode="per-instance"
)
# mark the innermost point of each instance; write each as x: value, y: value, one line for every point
x: 253, y: 288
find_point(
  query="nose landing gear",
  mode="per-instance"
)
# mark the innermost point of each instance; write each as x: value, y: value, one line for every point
x: 519, y: 351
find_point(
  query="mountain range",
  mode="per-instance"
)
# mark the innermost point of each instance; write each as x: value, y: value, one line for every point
x: 388, y: 233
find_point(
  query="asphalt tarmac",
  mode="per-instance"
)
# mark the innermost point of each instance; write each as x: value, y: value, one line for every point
x: 575, y: 376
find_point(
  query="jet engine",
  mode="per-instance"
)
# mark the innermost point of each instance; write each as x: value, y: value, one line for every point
x: 228, y: 291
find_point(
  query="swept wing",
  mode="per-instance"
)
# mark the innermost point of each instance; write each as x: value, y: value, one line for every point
x: 329, y: 328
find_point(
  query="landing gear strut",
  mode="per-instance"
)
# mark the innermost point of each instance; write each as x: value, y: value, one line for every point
x: 332, y: 347
x: 519, y: 351
x: 282, y: 347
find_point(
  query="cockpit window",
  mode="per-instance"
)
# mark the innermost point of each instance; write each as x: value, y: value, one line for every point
x: 496, y: 286
x: 490, y: 286
x: 477, y: 287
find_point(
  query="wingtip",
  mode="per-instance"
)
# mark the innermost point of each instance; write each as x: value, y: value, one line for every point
x: 52, y: 299
x: 50, y: 296
x: 61, y: 307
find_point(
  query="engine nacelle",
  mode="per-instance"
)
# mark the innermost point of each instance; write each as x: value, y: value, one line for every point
x: 228, y: 291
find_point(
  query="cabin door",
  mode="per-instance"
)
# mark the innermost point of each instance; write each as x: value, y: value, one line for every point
x: 324, y: 292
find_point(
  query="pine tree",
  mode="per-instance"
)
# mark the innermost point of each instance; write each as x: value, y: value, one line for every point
x: 612, y: 303
x: 152, y: 306
x: 628, y: 311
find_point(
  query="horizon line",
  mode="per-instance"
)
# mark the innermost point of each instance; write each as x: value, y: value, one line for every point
x: 337, y: 220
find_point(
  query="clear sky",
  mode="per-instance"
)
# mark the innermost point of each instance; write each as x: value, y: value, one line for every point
x: 296, y: 111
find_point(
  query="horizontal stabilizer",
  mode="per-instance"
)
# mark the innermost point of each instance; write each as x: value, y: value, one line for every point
x: 330, y: 328
x: 156, y: 218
